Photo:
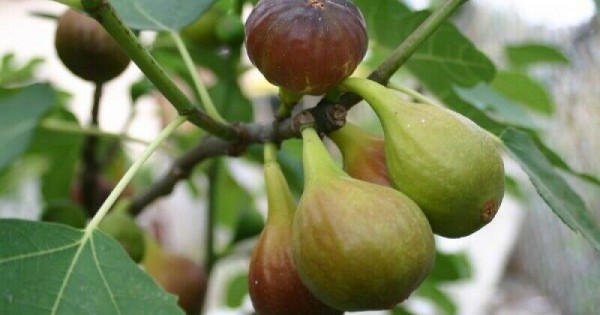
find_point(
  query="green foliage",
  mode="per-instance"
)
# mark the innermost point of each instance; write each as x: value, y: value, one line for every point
x: 557, y: 193
x: 160, y: 15
x: 528, y: 54
x: 20, y: 112
x: 11, y: 73
x: 525, y: 90
x: 53, y: 269
x: 237, y: 289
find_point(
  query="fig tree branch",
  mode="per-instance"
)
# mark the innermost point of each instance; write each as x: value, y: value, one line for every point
x: 106, y: 15
x: 91, y: 166
x: 328, y: 117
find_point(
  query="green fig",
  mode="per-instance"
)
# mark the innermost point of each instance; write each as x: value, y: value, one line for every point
x: 65, y: 212
x: 177, y: 275
x: 446, y: 163
x: 274, y: 284
x: 357, y: 245
x: 363, y: 153
x: 123, y: 228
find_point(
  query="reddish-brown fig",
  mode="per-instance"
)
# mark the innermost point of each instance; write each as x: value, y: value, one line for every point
x: 274, y: 284
x: 363, y: 153
x: 306, y: 46
x: 87, y: 49
x: 177, y: 275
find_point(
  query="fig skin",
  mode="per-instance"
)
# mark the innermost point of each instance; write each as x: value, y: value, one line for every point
x: 87, y: 50
x: 363, y: 153
x: 125, y: 230
x: 177, y: 275
x: 274, y: 284
x: 306, y: 46
x: 446, y: 163
x: 357, y: 245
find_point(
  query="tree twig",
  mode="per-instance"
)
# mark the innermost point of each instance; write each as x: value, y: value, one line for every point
x: 90, y: 196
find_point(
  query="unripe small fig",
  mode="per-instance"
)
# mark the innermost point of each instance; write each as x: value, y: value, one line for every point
x: 357, y: 245
x: 445, y: 162
x: 87, y: 49
x: 177, y: 275
x: 230, y: 30
x: 274, y: 284
x: 123, y: 228
x: 306, y: 46
x: 363, y: 153
x: 202, y: 32
x: 65, y: 212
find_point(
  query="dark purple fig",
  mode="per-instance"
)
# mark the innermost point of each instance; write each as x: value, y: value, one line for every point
x: 363, y: 153
x: 306, y: 46
x: 87, y: 49
x: 274, y: 284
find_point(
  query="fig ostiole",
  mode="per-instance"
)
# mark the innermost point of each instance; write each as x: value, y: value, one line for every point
x: 306, y: 46
x: 363, y: 154
x: 274, y: 284
x: 357, y: 245
x: 446, y: 163
x: 87, y: 50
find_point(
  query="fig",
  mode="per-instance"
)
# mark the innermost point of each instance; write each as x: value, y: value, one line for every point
x: 87, y: 50
x: 306, y: 46
x: 122, y: 227
x: 230, y: 30
x: 274, y: 284
x: 445, y: 162
x: 202, y: 31
x: 65, y: 212
x: 177, y: 275
x: 363, y: 153
x: 357, y: 245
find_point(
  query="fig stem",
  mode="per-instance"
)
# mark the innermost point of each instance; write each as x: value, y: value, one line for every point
x: 412, y: 93
x: 199, y: 86
x: 106, y: 15
x: 91, y: 165
x: 316, y: 159
x: 279, y: 197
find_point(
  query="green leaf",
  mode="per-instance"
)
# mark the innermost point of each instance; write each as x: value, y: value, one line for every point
x: 237, y: 289
x: 11, y: 73
x: 555, y: 191
x: 400, y: 310
x: 499, y: 107
x: 50, y: 268
x: 231, y: 198
x: 382, y: 16
x: 528, y: 54
x: 525, y: 90
x: 558, y: 162
x: 20, y: 113
x: 437, y: 296
x: 160, y: 15
x: 450, y: 267
x: 61, y: 152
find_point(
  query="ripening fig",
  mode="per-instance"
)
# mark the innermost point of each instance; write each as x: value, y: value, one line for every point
x: 306, y: 46
x: 124, y: 229
x: 446, y: 163
x: 363, y: 153
x: 357, y: 245
x: 87, y: 49
x: 177, y: 275
x: 274, y: 284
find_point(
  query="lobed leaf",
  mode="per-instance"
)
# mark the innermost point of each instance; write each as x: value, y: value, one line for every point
x: 160, y: 15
